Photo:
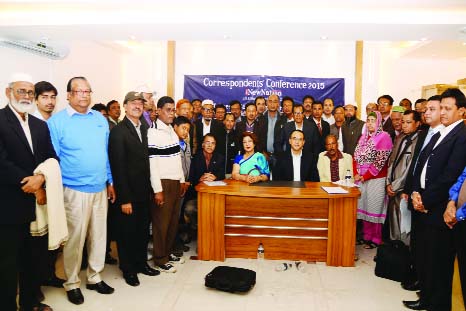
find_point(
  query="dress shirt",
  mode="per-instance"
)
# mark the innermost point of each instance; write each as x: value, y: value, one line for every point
x: 270, y: 131
x: 330, y: 120
x: 25, y: 126
x: 205, y: 127
x: 137, y: 127
x: 296, y: 165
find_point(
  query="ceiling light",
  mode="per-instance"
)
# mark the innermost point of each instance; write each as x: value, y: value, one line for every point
x: 38, y: 48
x: 323, y: 37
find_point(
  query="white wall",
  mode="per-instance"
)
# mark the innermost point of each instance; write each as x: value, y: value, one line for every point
x: 313, y: 59
x: 100, y: 64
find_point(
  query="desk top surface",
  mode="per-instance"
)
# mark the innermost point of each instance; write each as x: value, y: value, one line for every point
x: 312, y: 190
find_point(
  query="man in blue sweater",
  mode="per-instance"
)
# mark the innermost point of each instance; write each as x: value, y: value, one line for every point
x: 80, y: 138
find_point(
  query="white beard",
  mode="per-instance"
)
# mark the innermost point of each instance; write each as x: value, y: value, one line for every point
x: 23, y: 105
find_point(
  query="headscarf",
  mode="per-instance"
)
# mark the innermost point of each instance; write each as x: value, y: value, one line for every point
x: 372, y: 152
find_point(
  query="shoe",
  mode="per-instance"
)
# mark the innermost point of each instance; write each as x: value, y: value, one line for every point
x: 131, y: 279
x: 75, y: 296
x: 54, y: 281
x: 147, y: 270
x: 166, y: 268
x: 177, y: 252
x: 176, y: 259
x: 414, y: 286
x: 415, y: 305
x: 110, y: 260
x: 37, y: 307
x: 101, y: 288
x: 185, y: 248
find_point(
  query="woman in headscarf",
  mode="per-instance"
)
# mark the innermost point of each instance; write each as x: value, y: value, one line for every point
x: 370, y: 168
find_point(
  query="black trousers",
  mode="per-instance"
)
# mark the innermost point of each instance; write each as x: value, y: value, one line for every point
x: 437, y: 248
x: 132, y: 238
x: 17, y: 261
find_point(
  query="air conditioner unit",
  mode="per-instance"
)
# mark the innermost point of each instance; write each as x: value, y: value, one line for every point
x: 39, y: 48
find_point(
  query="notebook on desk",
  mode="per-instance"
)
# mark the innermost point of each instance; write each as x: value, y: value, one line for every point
x: 280, y: 183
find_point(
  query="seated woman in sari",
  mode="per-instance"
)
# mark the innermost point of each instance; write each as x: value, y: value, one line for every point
x: 250, y: 166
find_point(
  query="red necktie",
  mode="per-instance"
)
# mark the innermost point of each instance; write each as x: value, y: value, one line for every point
x: 320, y: 128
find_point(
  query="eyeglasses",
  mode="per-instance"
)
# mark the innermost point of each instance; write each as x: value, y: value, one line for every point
x: 82, y: 92
x: 24, y: 92
x: 297, y: 139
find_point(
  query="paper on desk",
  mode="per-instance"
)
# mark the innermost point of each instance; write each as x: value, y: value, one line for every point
x: 334, y: 190
x: 215, y: 183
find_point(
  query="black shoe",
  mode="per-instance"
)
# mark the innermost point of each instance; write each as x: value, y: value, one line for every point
x: 185, y: 248
x: 414, y: 286
x: 54, y: 281
x: 101, y: 288
x: 75, y: 296
x: 147, y: 270
x: 415, y: 305
x: 131, y: 279
x: 110, y: 260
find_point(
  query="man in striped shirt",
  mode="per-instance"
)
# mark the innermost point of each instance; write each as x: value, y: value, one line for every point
x: 166, y: 179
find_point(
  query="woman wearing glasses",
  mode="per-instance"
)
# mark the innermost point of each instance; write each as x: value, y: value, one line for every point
x: 250, y: 166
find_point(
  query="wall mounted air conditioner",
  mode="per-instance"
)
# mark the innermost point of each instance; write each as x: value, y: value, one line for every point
x: 49, y: 50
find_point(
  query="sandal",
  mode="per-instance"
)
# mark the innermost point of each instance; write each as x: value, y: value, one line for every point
x: 370, y: 245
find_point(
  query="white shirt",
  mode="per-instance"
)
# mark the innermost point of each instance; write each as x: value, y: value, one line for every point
x: 38, y: 115
x: 137, y: 127
x: 424, y: 169
x: 25, y: 125
x: 330, y: 120
x: 299, y: 127
x: 205, y: 127
x: 296, y: 166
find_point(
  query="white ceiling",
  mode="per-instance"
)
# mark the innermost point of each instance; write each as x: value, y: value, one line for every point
x: 378, y: 20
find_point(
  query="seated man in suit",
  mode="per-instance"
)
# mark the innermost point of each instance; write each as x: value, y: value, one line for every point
x: 333, y: 164
x: 297, y: 164
x: 207, y: 165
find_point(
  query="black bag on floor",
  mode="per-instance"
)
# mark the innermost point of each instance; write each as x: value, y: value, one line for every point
x: 231, y: 279
x: 393, y: 261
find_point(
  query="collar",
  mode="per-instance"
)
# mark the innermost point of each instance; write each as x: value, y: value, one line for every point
x: 317, y: 121
x: 339, y: 155
x: 296, y: 155
x: 26, y: 115
x: 135, y: 124
x: 162, y: 126
x: 71, y: 111
x: 448, y: 129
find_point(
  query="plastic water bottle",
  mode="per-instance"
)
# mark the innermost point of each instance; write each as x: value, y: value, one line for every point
x: 348, y: 178
x: 260, y: 252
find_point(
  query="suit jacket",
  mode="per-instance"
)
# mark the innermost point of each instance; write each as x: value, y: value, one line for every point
x: 325, y: 131
x: 216, y: 129
x: 199, y: 167
x: 258, y: 130
x: 311, y: 136
x: 129, y: 162
x: 388, y: 127
x: 351, y: 132
x: 409, y: 177
x: 264, y: 119
x: 284, y: 168
x: 227, y: 145
x: 17, y: 161
x: 446, y: 162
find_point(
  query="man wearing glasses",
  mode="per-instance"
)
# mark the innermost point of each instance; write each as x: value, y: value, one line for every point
x: 80, y: 138
x: 206, y: 125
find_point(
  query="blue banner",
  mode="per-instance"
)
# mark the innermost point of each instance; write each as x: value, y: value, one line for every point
x: 223, y: 89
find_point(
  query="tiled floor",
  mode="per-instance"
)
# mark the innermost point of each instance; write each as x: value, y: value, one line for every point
x: 318, y: 288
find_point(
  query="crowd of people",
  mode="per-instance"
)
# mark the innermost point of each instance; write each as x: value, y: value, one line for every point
x: 133, y: 179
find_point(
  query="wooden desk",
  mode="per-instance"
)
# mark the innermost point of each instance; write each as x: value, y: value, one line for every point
x: 291, y: 223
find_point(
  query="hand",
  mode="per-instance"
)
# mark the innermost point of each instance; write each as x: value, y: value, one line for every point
x: 183, y: 188
x: 127, y: 208
x: 449, y: 216
x: 390, y: 190
x: 417, y: 202
x: 111, y: 193
x: 41, y: 196
x: 404, y: 196
x: 32, y: 183
x: 359, y: 178
x: 252, y: 179
x: 159, y: 198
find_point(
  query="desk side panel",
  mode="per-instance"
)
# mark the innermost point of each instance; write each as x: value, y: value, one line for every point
x: 211, y: 226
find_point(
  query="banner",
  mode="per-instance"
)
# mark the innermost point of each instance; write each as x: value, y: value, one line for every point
x: 223, y: 89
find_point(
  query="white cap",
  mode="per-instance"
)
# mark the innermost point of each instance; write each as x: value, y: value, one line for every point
x: 351, y: 104
x: 207, y: 102
x: 144, y: 88
x: 20, y: 77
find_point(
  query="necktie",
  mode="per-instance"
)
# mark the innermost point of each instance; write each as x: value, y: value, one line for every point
x: 430, y: 133
x: 183, y: 145
x: 320, y: 128
x: 425, y: 153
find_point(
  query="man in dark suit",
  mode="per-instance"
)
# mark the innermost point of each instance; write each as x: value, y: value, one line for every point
x: 311, y: 136
x: 438, y: 166
x: 227, y: 144
x: 251, y: 124
x: 129, y: 161
x: 297, y: 164
x: 207, y: 165
x: 24, y: 144
x: 207, y: 124
x: 385, y: 103
x: 323, y: 127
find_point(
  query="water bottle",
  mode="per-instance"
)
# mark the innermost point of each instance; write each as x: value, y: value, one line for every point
x: 260, y: 252
x: 348, y: 178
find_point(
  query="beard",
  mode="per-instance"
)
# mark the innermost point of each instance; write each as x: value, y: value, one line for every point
x: 22, y: 105
x: 349, y: 119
